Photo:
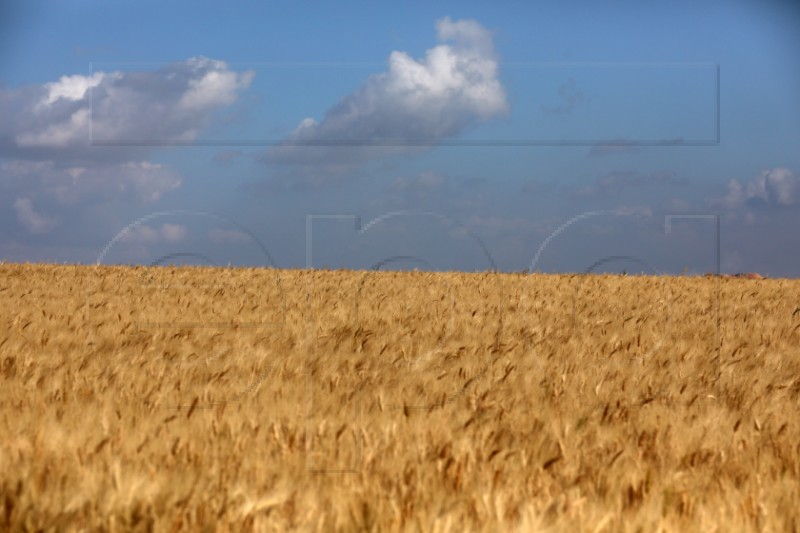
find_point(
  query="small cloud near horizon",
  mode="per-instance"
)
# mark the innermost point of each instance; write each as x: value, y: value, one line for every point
x: 144, y: 234
x: 774, y: 188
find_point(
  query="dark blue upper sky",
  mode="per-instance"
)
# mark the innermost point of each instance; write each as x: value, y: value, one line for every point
x: 465, y: 135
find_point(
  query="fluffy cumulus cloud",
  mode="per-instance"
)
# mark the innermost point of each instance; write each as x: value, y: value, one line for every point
x: 417, y: 101
x: 59, y: 120
x: 47, y: 154
x: 777, y: 187
x: 69, y: 88
x: 211, y: 84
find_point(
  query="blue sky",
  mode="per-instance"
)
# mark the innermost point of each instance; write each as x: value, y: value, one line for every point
x: 514, y: 135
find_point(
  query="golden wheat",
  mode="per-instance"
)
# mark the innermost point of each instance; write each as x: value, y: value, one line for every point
x: 208, y: 398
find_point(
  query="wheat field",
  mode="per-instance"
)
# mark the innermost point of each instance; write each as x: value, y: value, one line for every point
x: 188, y: 398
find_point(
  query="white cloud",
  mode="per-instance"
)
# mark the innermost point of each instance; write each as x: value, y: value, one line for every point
x: 217, y: 86
x: 149, y: 181
x: 60, y: 135
x: 676, y: 204
x: 173, y: 232
x: 466, y: 34
x: 141, y: 234
x: 775, y: 187
x: 781, y: 185
x: 452, y: 88
x: 734, y: 198
x: 144, y: 234
x: 28, y: 217
x: 46, y: 156
x: 140, y: 181
x: 57, y: 120
x: 70, y: 88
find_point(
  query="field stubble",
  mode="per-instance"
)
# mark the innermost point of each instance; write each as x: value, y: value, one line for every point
x: 197, y: 398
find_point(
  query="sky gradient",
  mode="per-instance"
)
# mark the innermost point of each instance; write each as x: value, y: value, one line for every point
x: 559, y: 137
